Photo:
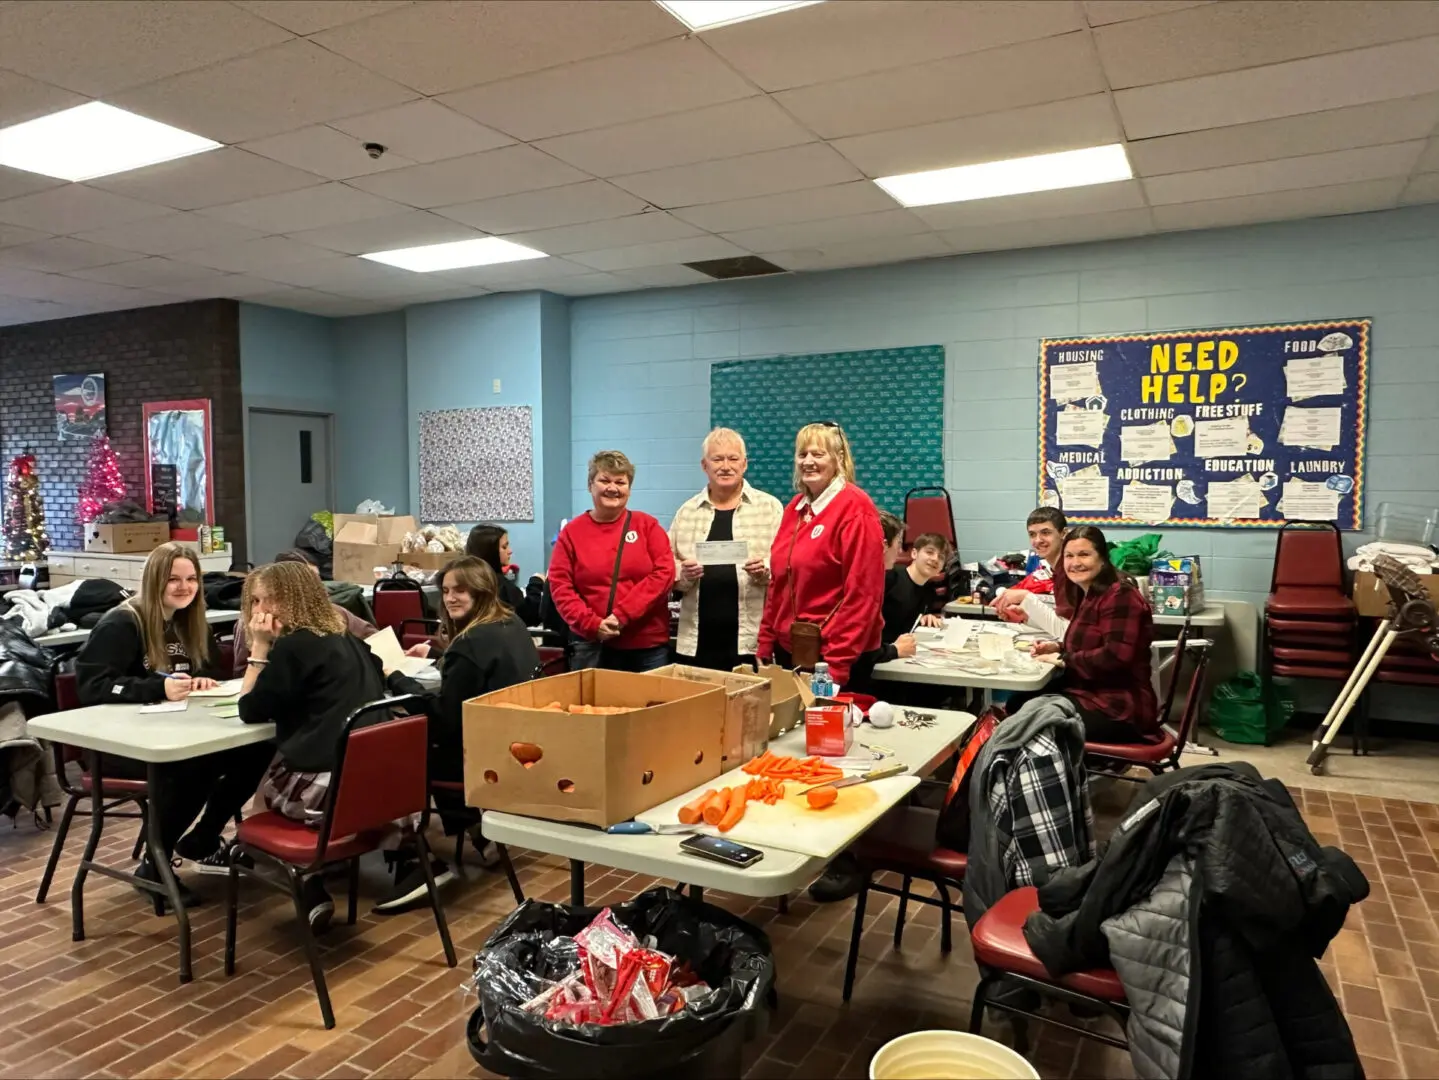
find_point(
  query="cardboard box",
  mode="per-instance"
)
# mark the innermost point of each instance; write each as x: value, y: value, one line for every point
x: 130, y: 538
x: 430, y: 561
x: 826, y: 731
x: 747, y: 702
x: 599, y: 770
x: 789, y: 697
x: 1176, y: 586
x: 1371, y: 596
x: 365, y: 541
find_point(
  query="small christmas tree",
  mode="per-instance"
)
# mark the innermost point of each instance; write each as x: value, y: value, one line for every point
x: 25, y: 535
x: 102, y: 484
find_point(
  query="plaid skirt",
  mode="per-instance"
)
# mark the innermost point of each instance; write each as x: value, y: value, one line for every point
x: 299, y: 796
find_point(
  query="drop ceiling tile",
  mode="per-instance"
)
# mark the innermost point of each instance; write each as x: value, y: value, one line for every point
x: 308, y: 208
x: 1037, y: 129
x: 234, y: 286
x: 1429, y: 160
x: 255, y: 256
x: 665, y: 277
x: 1422, y: 188
x: 1281, y: 205
x: 14, y: 182
x: 1047, y: 232
x: 312, y: 16
x: 14, y: 234
x: 810, y: 204
x: 169, y: 233
x: 15, y: 312
x: 24, y: 99
x: 62, y: 290
x: 1101, y: 12
x: 75, y: 208
x: 614, y: 232
x: 294, y: 299
x: 1065, y: 203
x: 569, y: 204
x: 811, y: 165
x: 1251, y: 33
x: 695, y: 249
x: 825, y: 233
x: 1310, y: 171
x: 349, y: 276
x: 476, y: 176
x: 209, y: 179
x: 1012, y: 77
x: 325, y: 151
x: 862, y: 253
x: 266, y: 93
x: 62, y: 254
x: 97, y: 49
x: 1290, y: 136
x: 147, y: 273
x: 423, y: 131
x: 839, y: 40
x: 440, y: 46
x: 593, y: 285
x: 604, y: 91
x: 410, y: 228
x: 747, y: 126
x: 1405, y: 69
x: 532, y: 273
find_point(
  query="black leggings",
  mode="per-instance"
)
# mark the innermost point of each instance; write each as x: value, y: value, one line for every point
x: 1098, y: 728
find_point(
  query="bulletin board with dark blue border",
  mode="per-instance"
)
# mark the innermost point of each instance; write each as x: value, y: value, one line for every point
x: 890, y: 403
x: 1207, y: 374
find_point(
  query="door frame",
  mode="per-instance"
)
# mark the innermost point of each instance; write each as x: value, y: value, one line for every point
x: 283, y: 407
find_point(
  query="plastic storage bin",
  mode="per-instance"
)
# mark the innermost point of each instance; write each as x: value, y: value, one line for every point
x: 1407, y: 523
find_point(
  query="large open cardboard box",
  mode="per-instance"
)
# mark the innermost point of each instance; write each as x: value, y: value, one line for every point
x: 1371, y: 596
x: 789, y: 697
x: 365, y: 541
x: 599, y: 770
x: 747, y: 697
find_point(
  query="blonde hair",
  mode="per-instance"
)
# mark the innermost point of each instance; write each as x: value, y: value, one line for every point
x: 612, y: 462
x: 299, y: 598
x: 477, y: 578
x: 832, y: 439
x: 149, y: 609
x: 723, y: 435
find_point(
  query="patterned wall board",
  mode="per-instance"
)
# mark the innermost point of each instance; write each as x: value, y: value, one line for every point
x: 477, y: 464
x: 889, y: 401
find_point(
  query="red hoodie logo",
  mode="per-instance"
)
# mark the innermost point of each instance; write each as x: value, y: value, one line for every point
x: 631, y: 537
x: 814, y: 533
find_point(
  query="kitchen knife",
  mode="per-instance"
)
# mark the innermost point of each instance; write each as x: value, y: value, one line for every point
x: 865, y: 778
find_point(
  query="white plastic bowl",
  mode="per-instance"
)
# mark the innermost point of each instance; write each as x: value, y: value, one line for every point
x: 948, y: 1055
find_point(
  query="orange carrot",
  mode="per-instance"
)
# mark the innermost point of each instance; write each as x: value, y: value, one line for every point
x: 819, y: 798
x: 715, y: 808
x: 691, y: 813
x: 735, y: 810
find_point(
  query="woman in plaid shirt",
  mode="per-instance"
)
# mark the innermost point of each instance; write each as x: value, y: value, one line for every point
x: 1106, y: 648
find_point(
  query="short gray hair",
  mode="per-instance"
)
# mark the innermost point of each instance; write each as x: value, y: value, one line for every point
x: 722, y: 435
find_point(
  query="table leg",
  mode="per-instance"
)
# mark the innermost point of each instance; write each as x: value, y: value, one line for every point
x: 577, y: 883
x: 697, y: 894
x: 97, y: 825
x: 155, y: 848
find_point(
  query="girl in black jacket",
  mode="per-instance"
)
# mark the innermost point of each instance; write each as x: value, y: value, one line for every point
x: 487, y: 648
x: 492, y: 544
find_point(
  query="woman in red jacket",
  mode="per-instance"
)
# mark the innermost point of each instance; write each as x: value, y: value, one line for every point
x: 611, y: 575
x: 827, y: 562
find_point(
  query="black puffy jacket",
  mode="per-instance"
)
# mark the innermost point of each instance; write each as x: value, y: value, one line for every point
x: 26, y: 670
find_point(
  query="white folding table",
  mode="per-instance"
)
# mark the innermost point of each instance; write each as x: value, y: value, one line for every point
x: 156, y: 739
x: 1211, y: 615
x: 659, y: 855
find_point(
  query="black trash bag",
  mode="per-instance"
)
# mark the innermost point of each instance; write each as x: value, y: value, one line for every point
x: 315, y: 542
x: 518, y: 961
x: 223, y: 592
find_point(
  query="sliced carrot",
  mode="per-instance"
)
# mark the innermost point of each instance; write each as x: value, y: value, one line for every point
x: 715, y: 808
x: 691, y: 813
x: 819, y: 798
x: 735, y: 810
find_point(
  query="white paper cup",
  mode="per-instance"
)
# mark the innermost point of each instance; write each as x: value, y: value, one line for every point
x: 948, y: 1055
x: 994, y: 646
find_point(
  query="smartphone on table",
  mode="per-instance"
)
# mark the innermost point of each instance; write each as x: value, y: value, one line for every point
x: 718, y: 849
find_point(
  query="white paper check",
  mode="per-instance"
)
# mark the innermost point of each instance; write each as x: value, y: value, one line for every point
x: 722, y: 553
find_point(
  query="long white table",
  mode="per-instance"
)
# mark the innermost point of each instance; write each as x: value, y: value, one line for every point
x: 215, y: 617
x: 156, y: 739
x: 1210, y: 615
x: 934, y: 671
x: 778, y: 873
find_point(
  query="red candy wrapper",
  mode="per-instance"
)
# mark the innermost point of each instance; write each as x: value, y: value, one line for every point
x: 656, y: 968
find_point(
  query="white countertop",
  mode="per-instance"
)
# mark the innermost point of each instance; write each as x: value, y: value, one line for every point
x: 150, y: 737
x: 1210, y: 615
x: 73, y: 637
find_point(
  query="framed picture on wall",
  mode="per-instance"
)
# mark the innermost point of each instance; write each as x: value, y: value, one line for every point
x: 178, y: 433
x: 80, y: 407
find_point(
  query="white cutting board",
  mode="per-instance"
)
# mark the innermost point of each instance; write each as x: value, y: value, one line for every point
x: 790, y: 824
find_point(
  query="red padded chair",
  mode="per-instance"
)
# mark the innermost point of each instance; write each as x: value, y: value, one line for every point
x: 119, y: 791
x: 380, y: 776
x: 928, y: 510
x: 552, y: 662
x: 1002, y: 953
x: 396, y: 600
x: 878, y: 853
x: 413, y: 632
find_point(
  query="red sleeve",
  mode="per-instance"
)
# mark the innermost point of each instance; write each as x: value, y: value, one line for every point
x: 577, y: 614
x: 1115, y: 640
x: 778, y: 590
x: 635, y: 600
x: 853, y: 625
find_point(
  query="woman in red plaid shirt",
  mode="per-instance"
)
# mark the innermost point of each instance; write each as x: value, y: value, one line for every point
x: 1106, y: 648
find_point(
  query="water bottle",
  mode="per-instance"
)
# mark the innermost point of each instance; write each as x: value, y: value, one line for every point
x: 820, y: 684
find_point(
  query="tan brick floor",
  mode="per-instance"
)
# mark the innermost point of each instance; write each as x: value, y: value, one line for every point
x: 112, y: 1006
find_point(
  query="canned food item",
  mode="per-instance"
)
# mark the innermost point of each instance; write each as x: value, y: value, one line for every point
x: 217, y: 538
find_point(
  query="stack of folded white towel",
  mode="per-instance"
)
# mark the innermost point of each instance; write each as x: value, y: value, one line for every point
x: 1417, y: 557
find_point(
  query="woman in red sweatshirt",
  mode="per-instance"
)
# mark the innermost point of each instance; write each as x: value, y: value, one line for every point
x: 611, y: 575
x: 827, y: 562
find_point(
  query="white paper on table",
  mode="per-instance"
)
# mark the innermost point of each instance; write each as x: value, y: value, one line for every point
x: 722, y: 553
x: 1314, y: 428
x: 165, y: 706
x: 228, y: 688
x: 1221, y: 438
x: 1149, y: 503
x: 1314, y: 376
x: 1304, y: 500
x: 1080, y: 427
x: 1145, y: 442
x: 1230, y: 499
x: 1072, y: 382
x: 956, y: 634
x: 386, y: 646
x: 1085, y: 493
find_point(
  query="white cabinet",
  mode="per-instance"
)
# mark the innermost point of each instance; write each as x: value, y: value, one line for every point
x: 124, y: 570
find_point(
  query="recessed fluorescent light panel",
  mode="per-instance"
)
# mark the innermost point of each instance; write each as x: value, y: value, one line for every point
x: 454, y: 256
x: 708, y: 14
x: 94, y: 140
x: 1016, y: 176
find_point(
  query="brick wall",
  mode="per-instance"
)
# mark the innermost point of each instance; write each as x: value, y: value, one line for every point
x: 168, y: 353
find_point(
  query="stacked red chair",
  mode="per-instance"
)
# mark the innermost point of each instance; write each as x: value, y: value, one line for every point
x: 1310, y: 625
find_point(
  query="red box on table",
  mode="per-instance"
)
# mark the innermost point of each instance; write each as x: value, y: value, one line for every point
x: 826, y: 731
